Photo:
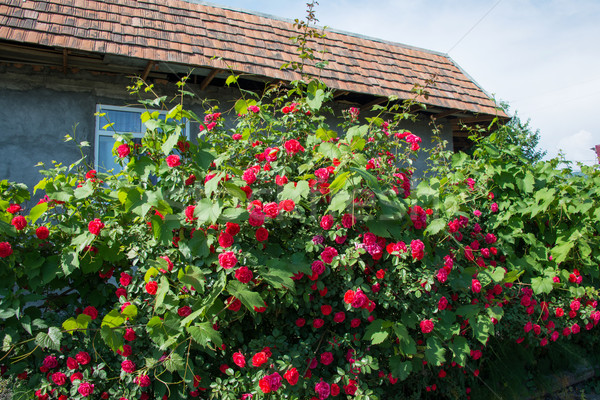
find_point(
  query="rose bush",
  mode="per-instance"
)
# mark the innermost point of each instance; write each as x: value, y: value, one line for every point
x: 279, y: 259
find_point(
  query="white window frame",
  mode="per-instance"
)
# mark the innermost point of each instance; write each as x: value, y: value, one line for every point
x: 101, y: 108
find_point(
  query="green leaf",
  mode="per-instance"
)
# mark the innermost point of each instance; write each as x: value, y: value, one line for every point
x: 406, y: 342
x: 339, y: 182
x: 84, y: 191
x: 207, y: 211
x: 460, y: 350
x: 193, y: 277
x: 400, y: 369
x: 482, y: 327
x: 340, y: 201
x: 249, y: 298
x: 161, y: 291
x: 542, y: 285
x: 231, y: 214
x: 37, y: 211
x: 234, y: 190
x: 204, y: 333
x: 69, y: 262
x: 171, y: 142
x: 375, y: 332
x: 113, y: 338
x: 232, y: 79
x: 152, y: 272
x: 435, y: 351
x: 130, y: 312
x: 50, y: 340
x: 174, y: 362
x: 315, y: 100
x: 435, y: 226
x: 329, y: 150
x: 113, y: 319
x: 368, y: 177
x: 560, y: 252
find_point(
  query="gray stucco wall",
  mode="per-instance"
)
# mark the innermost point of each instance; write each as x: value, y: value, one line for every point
x: 38, y: 108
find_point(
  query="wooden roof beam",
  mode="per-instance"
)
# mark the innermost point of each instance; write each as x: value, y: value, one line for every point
x: 209, y: 78
x: 65, y: 53
x: 147, y: 70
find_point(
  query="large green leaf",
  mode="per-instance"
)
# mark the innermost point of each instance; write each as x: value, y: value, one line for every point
x: 204, y: 333
x: 249, y: 298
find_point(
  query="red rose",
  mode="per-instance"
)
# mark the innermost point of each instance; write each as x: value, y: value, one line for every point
x: 128, y: 366
x: 5, y: 249
x: 326, y: 358
x: 300, y: 322
x: 91, y: 311
x: 19, y: 222
x: 475, y: 286
x: 173, y: 160
x: 349, y: 296
x: 233, y: 304
x: 189, y: 214
x: 249, y: 176
x: 259, y: 359
x: 262, y: 234
x: 355, y: 323
x: 126, y: 352
x: 184, y: 311
x: 190, y: 180
x: 83, y: 358
x: 287, y: 205
x: 85, y: 389
x: 59, y: 378
x: 227, y: 259
x: 326, y: 309
x: 42, y: 233
x: 151, y: 287
x: 95, y: 226
x: 72, y: 363
x: 426, y: 326
x: 77, y: 376
x: 292, y: 376
x: 339, y: 317
x: 256, y: 218
x: 225, y: 239
x: 129, y: 335
x: 232, y: 228
x: 293, y: 146
x: 239, y: 359
x: 125, y: 279
x: 13, y: 208
x: 271, y: 209
x: 265, y: 385
x: 281, y: 180
x: 123, y: 151
x: 243, y: 274
x: 326, y: 222
x: 318, y: 323
x: 335, y: 389
x: 143, y: 381
x: 91, y: 174
x: 328, y: 254
x: 50, y: 362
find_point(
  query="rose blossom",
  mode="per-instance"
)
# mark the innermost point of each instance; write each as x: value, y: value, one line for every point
x: 426, y: 325
x: 239, y: 359
x: 262, y: 234
x: 59, y: 378
x: 328, y: 254
x: 326, y: 358
x: 227, y: 259
x: 42, y: 233
x: 85, y: 389
x: 323, y: 390
x: 326, y: 222
x: 292, y: 376
x: 128, y: 366
x: 95, y: 226
x: 5, y: 249
x: 259, y: 359
x: 19, y: 222
x: 243, y: 274
x: 83, y: 358
x: 173, y: 160
x: 50, y: 362
x: 151, y: 287
x: 123, y: 150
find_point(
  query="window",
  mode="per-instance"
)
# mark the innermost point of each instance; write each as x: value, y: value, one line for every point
x: 124, y: 120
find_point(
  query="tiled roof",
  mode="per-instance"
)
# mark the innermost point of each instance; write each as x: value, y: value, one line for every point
x: 182, y: 32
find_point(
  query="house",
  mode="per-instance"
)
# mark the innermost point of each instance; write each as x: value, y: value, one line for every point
x: 63, y: 60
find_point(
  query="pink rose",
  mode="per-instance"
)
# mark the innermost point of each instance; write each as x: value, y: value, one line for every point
x: 227, y: 259
x: 123, y: 150
x: 95, y: 226
x: 128, y: 366
x: 85, y: 389
x: 323, y: 390
x: 326, y: 222
x: 5, y: 249
x: 328, y: 253
x: 243, y: 274
x: 426, y: 325
x: 271, y: 209
x: 173, y: 160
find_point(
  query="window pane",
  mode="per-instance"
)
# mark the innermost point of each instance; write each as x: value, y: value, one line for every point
x: 105, y: 158
x: 124, y: 121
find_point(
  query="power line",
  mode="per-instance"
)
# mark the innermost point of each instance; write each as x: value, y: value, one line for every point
x: 473, y: 27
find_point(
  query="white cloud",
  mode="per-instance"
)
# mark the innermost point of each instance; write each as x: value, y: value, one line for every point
x: 578, y: 147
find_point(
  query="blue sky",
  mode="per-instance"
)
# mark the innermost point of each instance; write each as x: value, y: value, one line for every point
x: 540, y: 56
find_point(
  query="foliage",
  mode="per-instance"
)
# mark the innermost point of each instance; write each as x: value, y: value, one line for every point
x: 280, y: 259
x: 521, y: 134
